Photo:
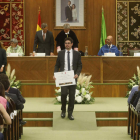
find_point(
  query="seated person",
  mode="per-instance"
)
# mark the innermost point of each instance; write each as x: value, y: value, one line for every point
x: 17, y: 92
x: 109, y: 47
x: 19, y: 105
x: 6, y: 118
x: 15, y: 48
x: 3, y: 101
x: 4, y: 80
x: 62, y: 35
x: 133, y: 90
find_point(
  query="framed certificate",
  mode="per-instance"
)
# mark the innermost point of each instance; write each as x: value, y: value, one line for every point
x: 65, y: 78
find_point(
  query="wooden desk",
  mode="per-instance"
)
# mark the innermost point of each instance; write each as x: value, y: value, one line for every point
x: 102, y: 69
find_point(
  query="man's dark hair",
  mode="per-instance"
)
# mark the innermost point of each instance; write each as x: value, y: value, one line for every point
x: 5, y: 81
x: 68, y: 38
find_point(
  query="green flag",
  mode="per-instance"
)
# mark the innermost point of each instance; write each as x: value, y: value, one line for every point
x: 103, y: 30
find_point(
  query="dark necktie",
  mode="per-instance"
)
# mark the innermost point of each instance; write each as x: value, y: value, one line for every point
x: 68, y: 61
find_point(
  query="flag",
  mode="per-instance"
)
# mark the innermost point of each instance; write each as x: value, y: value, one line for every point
x: 39, y: 22
x: 103, y: 30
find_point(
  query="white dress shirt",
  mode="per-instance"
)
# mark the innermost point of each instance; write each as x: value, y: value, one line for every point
x: 66, y: 60
x: 110, y: 46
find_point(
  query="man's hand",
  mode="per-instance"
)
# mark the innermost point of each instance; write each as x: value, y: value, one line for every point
x: 67, y: 19
x: 75, y: 76
x: 1, y: 70
x: 54, y: 78
x: 51, y: 54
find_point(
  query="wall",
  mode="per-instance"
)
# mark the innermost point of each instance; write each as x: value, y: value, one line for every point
x: 89, y: 37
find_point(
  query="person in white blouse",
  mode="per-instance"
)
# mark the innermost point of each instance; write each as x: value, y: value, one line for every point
x: 74, y: 13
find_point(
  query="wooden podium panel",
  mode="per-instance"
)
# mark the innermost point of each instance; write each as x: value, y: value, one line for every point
x: 102, y: 69
x: 119, y: 69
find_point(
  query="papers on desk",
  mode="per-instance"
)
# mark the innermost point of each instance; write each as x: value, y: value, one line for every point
x: 109, y: 54
x: 40, y: 54
x: 136, y: 54
x: 65, y: 78
x: 13, y: 54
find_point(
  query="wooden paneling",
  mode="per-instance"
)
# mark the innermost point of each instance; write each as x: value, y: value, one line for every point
x: 89, y: 37
x: 111, y: 114
x: 38, y: 90
x: 102, y: 69
x: 112, y: 123
x: 98, y: 90
x: 109, y: 90
x: 38, y: 124
x: 37, y: 115
x: 120, y: 69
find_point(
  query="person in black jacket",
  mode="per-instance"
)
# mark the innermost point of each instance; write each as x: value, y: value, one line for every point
x: 74, y: 63
x: 3, y: 59
x: 65, y: 34
x: 18, y: 94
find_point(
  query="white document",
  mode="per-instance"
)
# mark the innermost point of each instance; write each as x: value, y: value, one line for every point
x: 109, y: 54
x: 13, y: 54
x: 136, y: 54
x: 65, y: 78
x: 40, y: 54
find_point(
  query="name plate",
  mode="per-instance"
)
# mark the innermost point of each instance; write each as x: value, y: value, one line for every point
x: 13, y: 54
x: 40, y: 54
x: 109, y: 54
x: 136, y: 54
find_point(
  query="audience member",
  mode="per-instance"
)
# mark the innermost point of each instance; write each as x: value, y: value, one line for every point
x: 4, y: 80
x: 19, y: 105
x: 133, y: 90
x: 3, y: 101
x: 17, y: 92
x: 3, y: 59
x: 6, y: 118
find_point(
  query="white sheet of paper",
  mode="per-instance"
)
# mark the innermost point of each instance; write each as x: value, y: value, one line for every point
x: 65, y: 78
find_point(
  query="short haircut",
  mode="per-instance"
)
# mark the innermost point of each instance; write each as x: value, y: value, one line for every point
x: 2, y: 90
x: 68, y: 38
x: 66, y: 26
x: 44, y: 25
x: 14, y: 40
x: 5, y: 81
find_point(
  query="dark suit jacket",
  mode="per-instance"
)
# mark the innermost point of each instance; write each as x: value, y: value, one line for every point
x: 46, y: 46
x: 18, y: 104
x: 18, y: 94
x: 77, y: 64
x: 3, y: 59
x: 61, y: 37
x: 68, y: 13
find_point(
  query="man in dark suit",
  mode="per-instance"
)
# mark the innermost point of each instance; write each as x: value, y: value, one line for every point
x: 3, y: 59
x: 45, y: 41
x: 67, y: 60
x: 68, y: 12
